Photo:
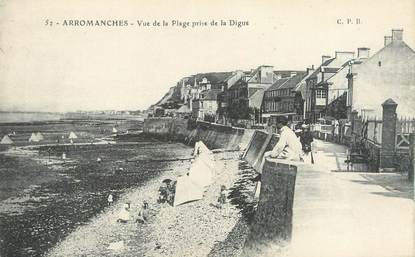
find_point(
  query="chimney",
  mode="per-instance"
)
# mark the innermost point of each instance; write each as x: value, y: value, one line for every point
x: 343, y: 57
x: 325, y: 58
x: 397, y: 34
x: 388, y: 40
x: 363, y: 52
x: 310, y: 70
x: 266, y: 74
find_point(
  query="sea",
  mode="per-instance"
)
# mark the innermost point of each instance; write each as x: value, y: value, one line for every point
x: 13, y: 117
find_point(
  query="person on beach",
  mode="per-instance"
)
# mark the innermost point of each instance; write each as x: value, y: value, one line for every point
x: 221, y: 199
x: 222, y: 195
x: 110, y: 199
x: 124, y: 214
x: 167, y: 191
x: 143, y: 214
x: 163, y: 192
x: 171, y: 192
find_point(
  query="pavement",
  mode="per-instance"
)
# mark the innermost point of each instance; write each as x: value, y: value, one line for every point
x: 350, y: 214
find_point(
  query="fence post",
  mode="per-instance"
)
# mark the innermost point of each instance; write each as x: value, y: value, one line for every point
x: 353, y: 127
x: 387, y: 152
x: 273, y: 218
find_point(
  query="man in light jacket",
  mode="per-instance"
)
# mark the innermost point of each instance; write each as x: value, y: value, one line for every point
x: 289, y: 146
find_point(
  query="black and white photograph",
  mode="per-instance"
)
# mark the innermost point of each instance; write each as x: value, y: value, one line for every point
x: 240, y: 128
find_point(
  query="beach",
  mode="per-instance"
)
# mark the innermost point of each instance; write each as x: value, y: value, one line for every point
x: 190, y: 229
x: 53, y: 196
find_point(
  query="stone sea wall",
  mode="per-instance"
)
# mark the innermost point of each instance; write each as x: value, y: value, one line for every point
x: 260, y: 143
x: 215, y: 136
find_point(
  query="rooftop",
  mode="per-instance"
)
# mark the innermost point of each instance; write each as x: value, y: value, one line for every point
x: 256, y: 99
x: 290, y: 82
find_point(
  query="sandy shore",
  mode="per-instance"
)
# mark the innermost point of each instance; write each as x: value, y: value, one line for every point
x: 191, y: 229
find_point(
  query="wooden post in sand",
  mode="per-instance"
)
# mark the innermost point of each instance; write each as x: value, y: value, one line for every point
x: 273, y: 218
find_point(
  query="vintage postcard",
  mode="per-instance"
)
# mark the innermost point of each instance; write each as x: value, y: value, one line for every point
x: 207, y: 128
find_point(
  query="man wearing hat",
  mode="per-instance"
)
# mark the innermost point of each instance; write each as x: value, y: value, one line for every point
x: 288, y: 146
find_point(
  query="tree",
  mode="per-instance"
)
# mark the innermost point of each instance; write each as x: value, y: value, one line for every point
x: 337, y: 108
x: 170, y: 105
x: 239, y: 110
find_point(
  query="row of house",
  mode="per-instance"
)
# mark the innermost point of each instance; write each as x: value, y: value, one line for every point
x: 348, y: 81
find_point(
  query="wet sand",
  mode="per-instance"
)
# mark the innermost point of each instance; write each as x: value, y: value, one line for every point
x: 44, y: 199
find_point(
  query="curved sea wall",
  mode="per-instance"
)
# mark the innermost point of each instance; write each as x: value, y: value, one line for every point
x: 273, y: 217
x: 214, y: 136
x: 260, y: 143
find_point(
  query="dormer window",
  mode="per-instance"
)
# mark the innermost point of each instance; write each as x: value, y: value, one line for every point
x: 321, y: 93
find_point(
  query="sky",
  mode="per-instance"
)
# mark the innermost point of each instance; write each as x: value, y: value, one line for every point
x: 67, y: 68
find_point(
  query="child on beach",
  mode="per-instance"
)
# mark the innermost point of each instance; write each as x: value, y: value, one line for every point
x: 143, y: 214
x: 110, y: 199
x: 222, y: 196
x: 124, y: 214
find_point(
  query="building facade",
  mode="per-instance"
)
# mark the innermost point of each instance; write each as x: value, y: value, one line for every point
x: 206, y: 106
x: 316, y: 100
x: 244, y: 99
x: 280, y: 99
x: 389, y: 73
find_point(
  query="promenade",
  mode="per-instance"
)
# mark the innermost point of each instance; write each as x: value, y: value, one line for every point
x: 350, y: 214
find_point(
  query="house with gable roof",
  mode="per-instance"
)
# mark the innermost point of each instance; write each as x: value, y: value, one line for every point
x: 338, y: 86
x: 280, y: 98
x: 206, y: 107
x: 389, y: 73
x: 316, y: 88
x: 204, y: 99
x: 245, y: 97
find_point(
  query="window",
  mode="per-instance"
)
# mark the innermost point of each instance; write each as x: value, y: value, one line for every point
x: 291, y: 106
x: 320, y: 93
x: 379, y: 63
